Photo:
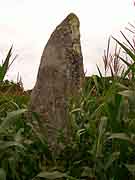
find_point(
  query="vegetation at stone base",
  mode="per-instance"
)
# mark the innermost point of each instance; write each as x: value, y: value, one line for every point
x: 102, y: 139
x: 102, y: 119
x: 21, y: 146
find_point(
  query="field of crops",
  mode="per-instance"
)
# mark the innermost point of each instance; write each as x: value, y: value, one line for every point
x: 102, y: 119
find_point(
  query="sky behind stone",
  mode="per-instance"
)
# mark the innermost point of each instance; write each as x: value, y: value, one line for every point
x: 27, y: 24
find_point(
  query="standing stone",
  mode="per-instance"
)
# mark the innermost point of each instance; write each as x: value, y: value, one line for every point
x: 60, y: 76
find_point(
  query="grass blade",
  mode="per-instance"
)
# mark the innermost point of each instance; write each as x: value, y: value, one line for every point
x: 129, y: 52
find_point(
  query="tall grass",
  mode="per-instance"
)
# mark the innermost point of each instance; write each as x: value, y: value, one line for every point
x: 4, y: 67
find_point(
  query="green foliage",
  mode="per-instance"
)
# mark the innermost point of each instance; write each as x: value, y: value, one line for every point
x: 6, y: 64
x: 19, y: 151
x: 23, y: 149
x: 102, y: 135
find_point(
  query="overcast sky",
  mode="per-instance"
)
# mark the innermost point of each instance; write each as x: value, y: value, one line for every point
x: 27, y: 24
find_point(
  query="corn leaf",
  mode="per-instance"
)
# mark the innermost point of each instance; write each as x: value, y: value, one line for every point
x: 128, y: 51
x: 52, y: 175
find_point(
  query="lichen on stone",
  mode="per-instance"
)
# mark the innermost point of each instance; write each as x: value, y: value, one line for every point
x: 74, y: 25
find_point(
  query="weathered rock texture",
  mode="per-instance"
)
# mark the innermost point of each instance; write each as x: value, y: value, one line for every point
x: 60, y: 76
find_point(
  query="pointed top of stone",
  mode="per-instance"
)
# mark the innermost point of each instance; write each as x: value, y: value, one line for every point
x: 71, y: 18
x: 69, y: 27
x: 72, y: 15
